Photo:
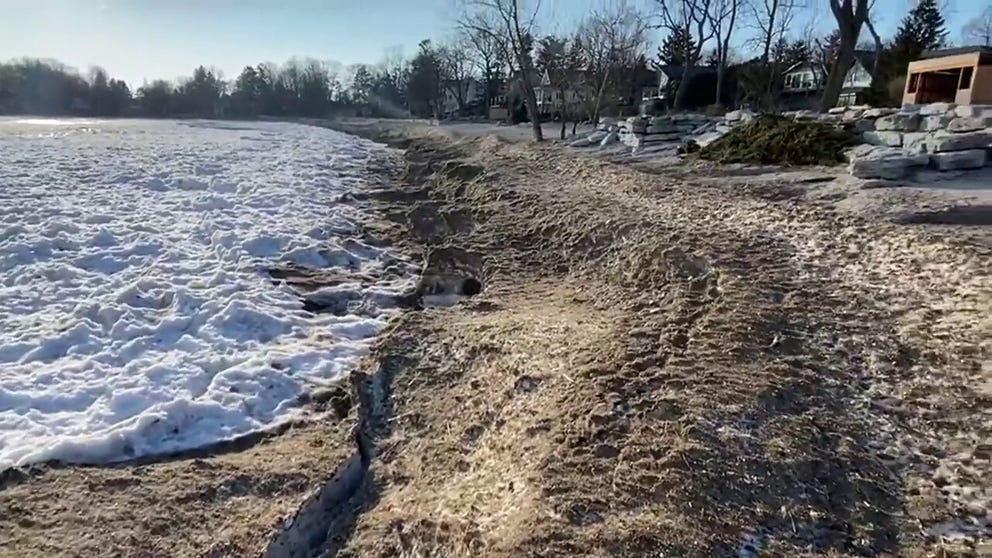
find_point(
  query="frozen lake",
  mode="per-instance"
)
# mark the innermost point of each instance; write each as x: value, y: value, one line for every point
x: 136, y: 316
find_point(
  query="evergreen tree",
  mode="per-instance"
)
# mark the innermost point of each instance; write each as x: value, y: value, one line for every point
x: 362, y: 85
x: 793, y: 53
x: 424, y: 89
x: 156, y: 98
x: 921, y: 30
x: 674, y: 48
x: 826, y: 50
x: 247, y: 93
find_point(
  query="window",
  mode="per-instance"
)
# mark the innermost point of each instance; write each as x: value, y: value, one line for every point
x: 914, y: 83
x: 965, y: 78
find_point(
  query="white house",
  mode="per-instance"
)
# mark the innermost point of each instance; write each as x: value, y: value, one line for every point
x: 581, y: 88
x: 805, y: 81
x: 550, y: 97
x: 473, y: 92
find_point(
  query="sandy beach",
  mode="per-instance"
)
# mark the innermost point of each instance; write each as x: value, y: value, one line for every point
x: 663, y: 360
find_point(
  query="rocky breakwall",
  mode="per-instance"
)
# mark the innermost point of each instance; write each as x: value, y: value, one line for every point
x: 641, y: 131
x: 941, y: 136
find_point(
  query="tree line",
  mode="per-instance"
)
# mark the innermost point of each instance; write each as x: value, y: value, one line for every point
x: 593, y: 69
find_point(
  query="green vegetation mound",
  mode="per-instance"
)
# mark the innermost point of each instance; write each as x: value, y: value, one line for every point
x: 776, y: 140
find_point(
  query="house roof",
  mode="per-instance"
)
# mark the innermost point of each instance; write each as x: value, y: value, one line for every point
x: 793, y: 67
x: 866, y: 58
x: 984, y: 50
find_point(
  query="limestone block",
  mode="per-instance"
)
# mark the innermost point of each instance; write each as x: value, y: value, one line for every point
x: 934, y: 109
x: 891, y: 139
x: 949, y: 141
x: 900, y: 122
x: 969, y: 123
x: 958, y: 160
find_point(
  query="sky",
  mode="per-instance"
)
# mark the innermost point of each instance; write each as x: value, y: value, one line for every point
x: 142, y: 40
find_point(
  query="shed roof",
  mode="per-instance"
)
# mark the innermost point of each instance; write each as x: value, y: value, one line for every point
x: 983, y: 50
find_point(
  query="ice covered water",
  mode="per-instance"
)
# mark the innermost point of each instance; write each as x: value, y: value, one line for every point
x: 136, y: 316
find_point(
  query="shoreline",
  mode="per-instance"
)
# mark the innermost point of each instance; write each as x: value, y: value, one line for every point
x: 654, y: 364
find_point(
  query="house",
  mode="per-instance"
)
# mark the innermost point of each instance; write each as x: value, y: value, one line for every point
x: 581, y: 88
x: 646, y: 85
x: 559, y: 90
x: 499, y: 102
x: 472, y: 95
x: 803, y: 83
x: 509, y: 96
x: 960, y: 75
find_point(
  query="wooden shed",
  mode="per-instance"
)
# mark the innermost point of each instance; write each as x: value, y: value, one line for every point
x: 956, y: 75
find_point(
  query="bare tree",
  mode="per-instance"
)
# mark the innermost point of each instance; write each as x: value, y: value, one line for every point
x: 612, y: 39
x: 979, y: 28
x: 507, y: 20
x: 771, y: 19
x: 561, y: 59
x: 692, y: 18
x: 723, y: 18
x: 488, y: 54
x: 456, y: 70
x: 876, y: 65
x: 850, y: 16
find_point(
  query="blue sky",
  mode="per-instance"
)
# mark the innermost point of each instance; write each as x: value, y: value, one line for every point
x: 147, y: 39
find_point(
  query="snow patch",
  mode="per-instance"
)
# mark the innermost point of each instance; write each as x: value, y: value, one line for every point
x: 138, y: 318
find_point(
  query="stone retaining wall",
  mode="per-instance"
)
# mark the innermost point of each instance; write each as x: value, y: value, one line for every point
x: 942, y: 136
x: 640, y: 131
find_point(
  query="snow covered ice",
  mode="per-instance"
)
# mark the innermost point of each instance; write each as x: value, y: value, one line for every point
x: 136, y: 315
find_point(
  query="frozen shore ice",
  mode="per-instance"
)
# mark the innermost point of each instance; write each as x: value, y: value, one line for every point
x: 135, y: 314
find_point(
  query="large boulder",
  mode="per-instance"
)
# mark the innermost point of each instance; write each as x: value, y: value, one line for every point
x: 664, y: 136
x: 933, y: 123
x: 891, y: 139
x: 959, y: 160
x: 970, y: 123
x: 937, y: 109
x: 966, y: 111
x: 805, y: 115
x: 882, y: 162
x: 900, y: 122
x: 851, y: 115
x: 742, y: 115
x: 705, y: 127
x: 949, y: 141
x: 915, y: 142
x: 597, y: 136
x: 864, y: 125
x: 707, y: 138
x: 667, y: 128
x: 878, y: 112
x: 637, y: 124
